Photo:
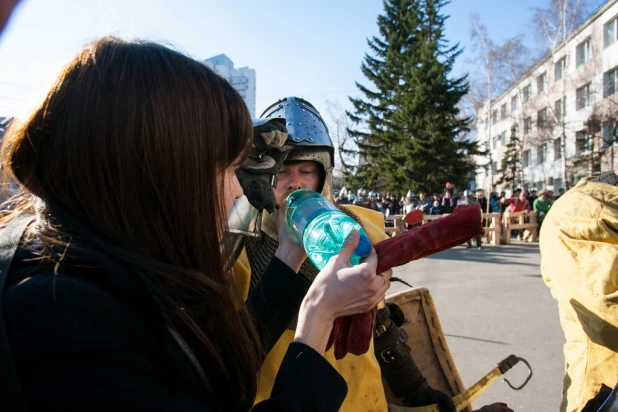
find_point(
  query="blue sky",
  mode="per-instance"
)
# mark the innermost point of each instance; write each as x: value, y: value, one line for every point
x: 311, y: 49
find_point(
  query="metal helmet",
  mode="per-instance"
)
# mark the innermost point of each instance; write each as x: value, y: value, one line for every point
x: 307, y: 131
x: 361, y: 192
x: 410, y: 194
x: 343, y: 191
x: 372, y: 194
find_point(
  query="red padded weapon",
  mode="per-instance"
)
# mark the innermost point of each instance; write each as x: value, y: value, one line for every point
x: 353, y: 333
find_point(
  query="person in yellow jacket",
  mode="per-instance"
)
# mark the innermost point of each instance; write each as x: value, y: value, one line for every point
x: 579, y: 263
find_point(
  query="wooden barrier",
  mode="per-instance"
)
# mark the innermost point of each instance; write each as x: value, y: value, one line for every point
x: 430, y: 218
x: 517, y: 221
x: 399, y: 225
x: 492, y: 223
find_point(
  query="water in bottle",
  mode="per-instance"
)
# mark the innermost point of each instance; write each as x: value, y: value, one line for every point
x: 322, y: 228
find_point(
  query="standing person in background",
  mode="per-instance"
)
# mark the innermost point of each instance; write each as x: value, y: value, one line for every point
x: 532, y: 197
x: 435, y: 209
x: 410, y: 203
x: 387, y: 206
x: 448, y: 203
x: 448, y: 189
x: 424, y: 203
x: 560, y: 193
x: 482, y: 200
x: 504, y: 202
x: 541, y: 206
x: 520, y: 203
x: 462, y: 199
x: 395, y: 205
x: 494, y: 203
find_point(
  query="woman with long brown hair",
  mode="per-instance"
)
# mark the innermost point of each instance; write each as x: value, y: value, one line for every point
x: 118, y: 296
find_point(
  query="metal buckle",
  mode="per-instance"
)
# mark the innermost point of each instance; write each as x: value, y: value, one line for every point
x: 386, y: 354
x: 380, y: 330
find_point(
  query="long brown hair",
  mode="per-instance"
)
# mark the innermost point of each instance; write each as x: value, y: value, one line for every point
x: 132, y: 139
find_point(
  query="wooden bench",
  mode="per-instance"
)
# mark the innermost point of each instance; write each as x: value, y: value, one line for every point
x: 430, y: 218
x: 517, y: 221
x: 492, y: 223
x: 399, y: 226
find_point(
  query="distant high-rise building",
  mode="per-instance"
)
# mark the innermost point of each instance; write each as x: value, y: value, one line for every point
x: 242, y: 79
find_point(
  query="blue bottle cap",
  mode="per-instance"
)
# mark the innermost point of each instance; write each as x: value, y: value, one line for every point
x: 364, y: 246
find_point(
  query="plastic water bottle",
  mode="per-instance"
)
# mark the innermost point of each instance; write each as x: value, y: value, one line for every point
x: 322, y: 228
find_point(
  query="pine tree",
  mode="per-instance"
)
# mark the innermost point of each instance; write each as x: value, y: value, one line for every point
x: 410, y: 128
x: 510, y: 161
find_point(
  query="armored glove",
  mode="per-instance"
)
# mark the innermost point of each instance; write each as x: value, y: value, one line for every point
x: 257, y: 175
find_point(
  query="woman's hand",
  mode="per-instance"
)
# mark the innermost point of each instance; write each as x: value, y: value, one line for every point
x: 290, y: 251
x: 340, y: 290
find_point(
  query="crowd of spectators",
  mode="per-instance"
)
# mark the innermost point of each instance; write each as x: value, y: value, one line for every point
x: 449, y: 199
x: 446, y: 202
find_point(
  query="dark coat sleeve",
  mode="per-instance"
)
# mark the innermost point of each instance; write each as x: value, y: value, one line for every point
x: 305, y: 382
x: 275, y: 301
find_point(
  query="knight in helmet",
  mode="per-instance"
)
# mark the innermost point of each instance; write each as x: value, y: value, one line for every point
x: 308, y: 164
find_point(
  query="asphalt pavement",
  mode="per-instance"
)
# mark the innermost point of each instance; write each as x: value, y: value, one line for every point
x: 493, y: 303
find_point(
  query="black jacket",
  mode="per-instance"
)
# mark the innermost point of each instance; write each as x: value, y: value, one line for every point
x: 91, y: 338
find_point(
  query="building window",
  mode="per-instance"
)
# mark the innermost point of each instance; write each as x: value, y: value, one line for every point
x: 494, y: 143
x: 527, y: 125
x: 582, y: 96
x: 494, y: 167
x: 540, y: 82
x: 559, y: 69
x: 541, y: 118
x: 526, y: 159
x: 582, y: 142
x: 541, y: 152
x: 558, y: 109
x: 557, y: 148
x: 527, y: 93
x: 609, y: 82
x: 503, y: 138
x: 494, y: 116
x: 582, y: 52
x: 609, y: 133
x: 503, y: 112
x: 514, y: 103
x: 609, y: 32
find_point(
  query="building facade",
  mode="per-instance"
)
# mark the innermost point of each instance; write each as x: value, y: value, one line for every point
x: 562, y: 112
x: 242, y: 79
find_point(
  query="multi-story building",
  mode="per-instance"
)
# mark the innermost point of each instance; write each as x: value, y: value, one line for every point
x: 563, y: 110
x: 243, y: 78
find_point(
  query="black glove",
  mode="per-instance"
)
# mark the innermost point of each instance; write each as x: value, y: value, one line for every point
x: 256, y: 175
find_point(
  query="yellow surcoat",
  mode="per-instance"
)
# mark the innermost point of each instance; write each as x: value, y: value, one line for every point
x: 579, y: 263
x: 361, y: 373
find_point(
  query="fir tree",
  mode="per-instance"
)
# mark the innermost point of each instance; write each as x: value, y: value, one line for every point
x: 510, y: 161
x: 410, y: 128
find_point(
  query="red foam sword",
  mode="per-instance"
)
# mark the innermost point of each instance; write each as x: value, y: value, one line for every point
x: 352, y: 334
